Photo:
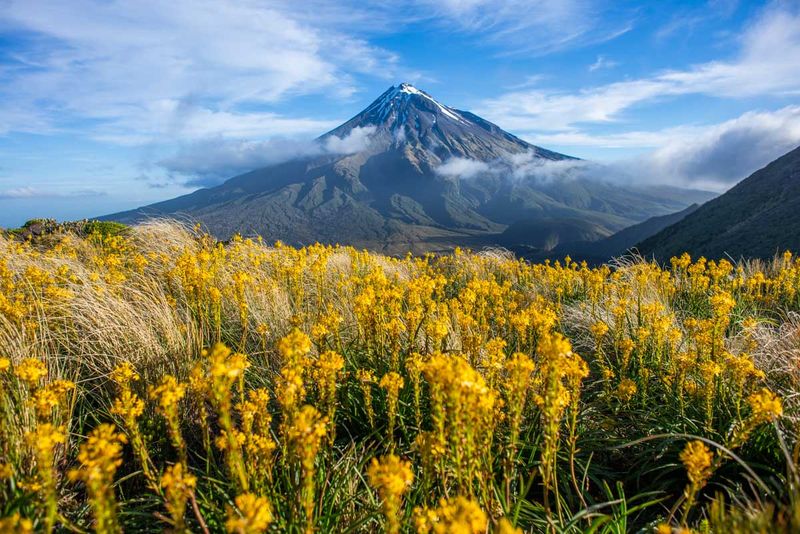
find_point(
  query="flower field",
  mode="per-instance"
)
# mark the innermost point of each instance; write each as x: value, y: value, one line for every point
x: 156, y: 380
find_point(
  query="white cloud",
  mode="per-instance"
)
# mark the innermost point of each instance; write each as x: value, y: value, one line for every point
x: 524, y: 26
x: 712, y: 157
x: 526, y: 166
x: 766, y: 64
x: 210, y: 161
x: 602, y: 62
x: 357, y: 140
x: 523, y: 166
x: 150, y: 69
x: 463, y: 168
x: 727, y: 152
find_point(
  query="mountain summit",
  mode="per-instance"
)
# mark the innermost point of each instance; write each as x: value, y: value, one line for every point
x: 410, y: 173
x: 409, y: 117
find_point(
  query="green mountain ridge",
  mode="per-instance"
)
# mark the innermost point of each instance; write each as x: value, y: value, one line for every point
x: 758, y: 217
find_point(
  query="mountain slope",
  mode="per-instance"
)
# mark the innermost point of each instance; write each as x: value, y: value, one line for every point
x: 757, y: 218
x: 426, y: 177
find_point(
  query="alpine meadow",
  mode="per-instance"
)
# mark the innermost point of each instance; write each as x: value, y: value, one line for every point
x: 156, y: 379
x: 255, y: 279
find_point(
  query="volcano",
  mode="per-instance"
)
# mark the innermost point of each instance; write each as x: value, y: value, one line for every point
x: 411, y: 174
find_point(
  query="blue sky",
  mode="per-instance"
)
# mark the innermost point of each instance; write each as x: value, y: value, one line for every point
x: 107, y: 105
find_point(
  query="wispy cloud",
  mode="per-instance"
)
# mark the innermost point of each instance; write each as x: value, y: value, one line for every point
x: 192, y: 68
x: 712, y: 157
x: 721, y: 155
x: 35, y: 192
x: 602, y: 62
x: 526, y: 26
x: 766, y: 64
x: 208, y: 162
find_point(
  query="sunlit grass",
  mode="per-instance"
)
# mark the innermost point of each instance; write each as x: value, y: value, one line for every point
x: 154, y: 379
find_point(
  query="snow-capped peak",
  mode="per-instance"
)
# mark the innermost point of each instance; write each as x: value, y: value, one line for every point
x: 410, y: 89
x: 392, y: 99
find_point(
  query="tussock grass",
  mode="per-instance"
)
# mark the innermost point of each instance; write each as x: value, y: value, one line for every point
x: 245, y: 387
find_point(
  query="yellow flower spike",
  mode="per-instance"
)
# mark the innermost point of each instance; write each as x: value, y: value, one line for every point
x: 100, y: 456
x: 599, y: 330
x: 327, y: 372
x: 178, y: 487
x: 626, y: 390
x: 504, y: 526
x: 44, y: 441
x: 252, y: 515
x: 453, y: 516
x: 765, y: 406
x: 294, y: 346
x: 392, y: 478
x: 698, y: 459
x: 392, y: 383
x: 519, y: 370
x: 51, y: 396
x: 168, y: 394
x: 366, y: 379
x: 17, y: 524
x: 304, y: 437
x: 464, y: 415
x: 413, y: 365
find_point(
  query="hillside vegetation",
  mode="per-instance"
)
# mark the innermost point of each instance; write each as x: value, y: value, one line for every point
x: 758, y: 217
x: 157, y: 380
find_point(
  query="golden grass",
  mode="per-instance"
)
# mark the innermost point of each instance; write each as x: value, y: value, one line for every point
x: 247, y: 387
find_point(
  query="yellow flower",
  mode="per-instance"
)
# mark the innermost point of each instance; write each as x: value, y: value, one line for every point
x: 128, y: 406
x: 391, y: 382
x: 391, y: 477
x: 100, y: 456
x: 178, y: 486
x: 168, y: 393
x: 504, y: 526
x: 51, y: 396
x: 31, y: 370
x: 765, y: 406
x: 304, y: 436
x: 17, y: 524
x: 599, y: 330
x: 253, y: 515
x: 294, y: 346
x: 697, y: 459
x: 5, y: 363
x: 453, y: 516
x: 46, y: 437
x: 226, y: 366
x: 626, y: 390
x: 124, y: 374
x: 6, y: 471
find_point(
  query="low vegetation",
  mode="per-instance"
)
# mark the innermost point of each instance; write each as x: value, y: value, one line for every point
x: 153, y: 379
